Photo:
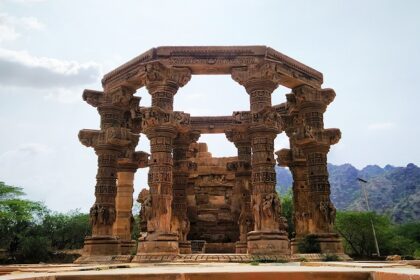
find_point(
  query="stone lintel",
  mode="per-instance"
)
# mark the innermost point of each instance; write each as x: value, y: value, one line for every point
x: 211, y: 60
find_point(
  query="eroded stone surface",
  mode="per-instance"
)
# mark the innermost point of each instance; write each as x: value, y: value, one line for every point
x: 193, y: 196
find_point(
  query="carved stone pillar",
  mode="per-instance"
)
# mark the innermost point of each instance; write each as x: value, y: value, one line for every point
x: 243, y: 188
x: 159, y: 124
x: 180, y: 222
x: 268, y: 236
x: 315, y: 141
x: 109, y: 144
x: 124, y: 203
x: 302, y: 215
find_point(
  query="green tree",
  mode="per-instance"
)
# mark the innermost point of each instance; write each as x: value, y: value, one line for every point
x: 66, y: 231
x: 18, y: 217
x: 135, y: 233
x: 356, y: 230
x: 287, y: 210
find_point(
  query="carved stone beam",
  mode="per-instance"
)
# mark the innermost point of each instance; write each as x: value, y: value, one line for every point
x: 121, y: 96
x: 142, y: 159
x: 93, y: 97
x: 155, y: 117
x: 284, y: 157
x: 115, y: 136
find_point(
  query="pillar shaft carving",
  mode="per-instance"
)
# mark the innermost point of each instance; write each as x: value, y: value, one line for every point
x: 161, y: 125
x: 302, y: 213
x: 160, y: 180
x: 109, y: 143
x: 182, y: 167
x: 124, y: 201
x: 243, y: 188
x: 260, y: 81
x: 313, y: 141
x: 163, y: 83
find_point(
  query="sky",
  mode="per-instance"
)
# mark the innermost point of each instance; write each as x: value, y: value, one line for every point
x: 50, y: 50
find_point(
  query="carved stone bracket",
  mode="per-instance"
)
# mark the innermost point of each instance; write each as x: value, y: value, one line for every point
x: 93, y: 97
x: 116, y: 136
x: 268, y: 118
x: 241, y: 119
x: 121, y: 96
x: 266, y: 71
x: 153, y: 117
x: 305, y: 94
x: 284, y: 157
x: 142, y: 159
x: 238, y: 166
x: 156, y: 72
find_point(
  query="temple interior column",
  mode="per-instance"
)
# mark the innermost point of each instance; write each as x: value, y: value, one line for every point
x: 124, y: 203
x: 295, y: 160
x: 180, y: 221
x: 242, y: 168
x: 315, y: 142
x: 159, y: 126
x: 269, y: 235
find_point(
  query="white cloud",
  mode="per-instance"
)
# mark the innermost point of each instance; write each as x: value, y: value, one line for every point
x: 9, y: 25
x: 7, y: 32
x: 381, y: 126
x: 63, y: 95
x: 27, y: 1
x: 31, y: 23
x: 19, y: 68
x: 24, y: 151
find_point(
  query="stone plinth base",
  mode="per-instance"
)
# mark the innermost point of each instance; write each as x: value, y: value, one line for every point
x: 241, y: 247
x: 101, y: 249
x: 318, y: 257
x: 268, y: 243
x: 101, y: 246
x: 185, y: 247
x: 163, y: 245
x: 128, y: 247
x: 329, y: 243
x: 220, y: 248
x: 104, y: 259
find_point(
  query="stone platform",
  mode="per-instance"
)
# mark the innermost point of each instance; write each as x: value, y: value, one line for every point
x: 204, y: 258
x: 220, y: 271
x: 212, y: 258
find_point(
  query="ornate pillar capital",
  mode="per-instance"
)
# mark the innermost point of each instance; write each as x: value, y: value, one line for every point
x: 257, y: 76
x: 120, y: 96
x: 155, y: 118
x: 186, y: 138
x: 259, y: 81
x: 236, y: 136
x: 113, y: 138
x: 93, y: 97
x: 163, y: 83
x: 307, y: 98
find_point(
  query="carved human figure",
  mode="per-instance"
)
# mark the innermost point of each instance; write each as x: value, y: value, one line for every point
x: 332, y: 212
x: 271, y: 205
x: 185, y: 228
x: 101, y: 211
x: 244, y: 223
x: 94, y: 214
x: 145, y: 200
x: 257, y: 212
x: 283, y: 225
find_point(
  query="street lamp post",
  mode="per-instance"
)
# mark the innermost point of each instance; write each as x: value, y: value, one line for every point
x: 368, y: 208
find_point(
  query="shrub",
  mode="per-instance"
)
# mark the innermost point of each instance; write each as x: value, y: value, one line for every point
x: 309, y: 244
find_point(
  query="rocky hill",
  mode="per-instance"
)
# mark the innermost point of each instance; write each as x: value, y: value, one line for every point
x: 391, y: 190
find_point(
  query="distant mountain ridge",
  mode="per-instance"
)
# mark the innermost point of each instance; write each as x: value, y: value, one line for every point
x: 391, y: 190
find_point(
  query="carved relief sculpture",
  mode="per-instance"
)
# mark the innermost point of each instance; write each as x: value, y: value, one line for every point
x: 180, y: 179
